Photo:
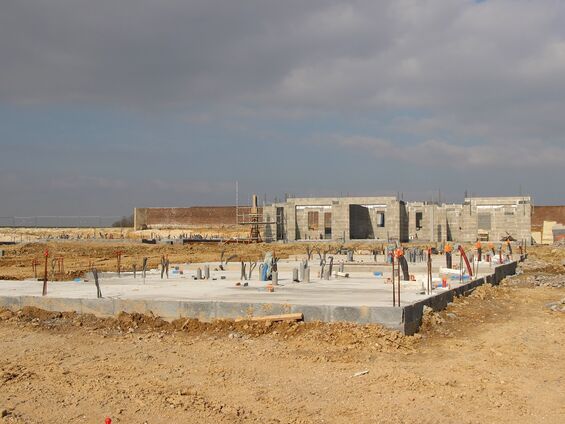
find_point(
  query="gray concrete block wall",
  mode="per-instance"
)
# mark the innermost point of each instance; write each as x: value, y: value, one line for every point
x: 509, y: 215
x: 303, y: 232
x: 270, y: 230
x: 296, y: 217
x: 461, y: 222
x: 454, y: 222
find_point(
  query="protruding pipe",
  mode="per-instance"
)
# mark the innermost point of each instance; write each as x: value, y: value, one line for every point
x: 307, y: 274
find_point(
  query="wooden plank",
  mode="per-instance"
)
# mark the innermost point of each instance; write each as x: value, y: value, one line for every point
x: 284, y: 317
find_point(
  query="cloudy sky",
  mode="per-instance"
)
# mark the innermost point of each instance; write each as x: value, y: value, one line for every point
x: 106, y: 105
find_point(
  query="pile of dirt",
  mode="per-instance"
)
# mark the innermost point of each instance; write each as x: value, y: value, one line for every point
x: 546, y: 259
x: 481, y: 305
x: 485, y: 292
x: 335, y: 334
x: 430, y: 319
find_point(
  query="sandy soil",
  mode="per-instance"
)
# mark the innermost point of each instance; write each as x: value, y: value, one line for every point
x: 36, y: 234
x: 79, y: 256
x: 495, y: 356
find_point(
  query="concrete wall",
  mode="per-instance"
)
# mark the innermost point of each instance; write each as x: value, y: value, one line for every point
x: 507, y: 215
x: 352, y: 218
x: 454, y: 222
x: 357, y: 218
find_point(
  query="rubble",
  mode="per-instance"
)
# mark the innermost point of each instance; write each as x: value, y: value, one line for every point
x: 557, y: 306
x: 559, y: 243
x: 556, y: 281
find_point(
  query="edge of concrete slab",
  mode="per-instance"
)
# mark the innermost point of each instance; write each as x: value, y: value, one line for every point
x: 207, y: 311
x: 406, y: 319
x: 413, y: 313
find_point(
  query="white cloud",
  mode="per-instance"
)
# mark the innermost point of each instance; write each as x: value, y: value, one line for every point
x: 431, y: 153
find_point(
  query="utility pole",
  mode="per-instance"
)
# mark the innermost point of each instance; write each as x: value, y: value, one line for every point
x: 236, y: 202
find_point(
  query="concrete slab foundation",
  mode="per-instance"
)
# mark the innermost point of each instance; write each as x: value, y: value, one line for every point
x: 363, y: 298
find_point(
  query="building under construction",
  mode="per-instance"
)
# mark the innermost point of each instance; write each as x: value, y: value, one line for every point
x: 390, y: 219
x: 382, y: 218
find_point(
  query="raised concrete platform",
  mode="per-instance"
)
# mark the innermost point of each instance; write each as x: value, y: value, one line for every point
x: 362, y: 298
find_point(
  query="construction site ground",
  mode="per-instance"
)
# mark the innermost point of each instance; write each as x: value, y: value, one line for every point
x: 494, y: 356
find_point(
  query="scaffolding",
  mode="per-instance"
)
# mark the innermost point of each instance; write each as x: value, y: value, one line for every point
x: 250, y: 216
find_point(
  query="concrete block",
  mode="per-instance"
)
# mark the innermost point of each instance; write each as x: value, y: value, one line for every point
x: 130, y: 306
x: 12, y: 303
x: 387, y: 315
x: 51, y: 304
x: 361, y: 314
x: 270, y: 309
x: 313, y: 312
x: 99, y: 307
x: 63, y: 304
x: 204, y: 311
x: 168, y: 309
x: 235, y: 310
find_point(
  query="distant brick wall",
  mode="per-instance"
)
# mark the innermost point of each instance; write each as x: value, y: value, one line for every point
x: 547, y: 213
x: 215, y: 216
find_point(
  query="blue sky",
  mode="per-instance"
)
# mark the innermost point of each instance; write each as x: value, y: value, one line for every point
x: 105, y: 106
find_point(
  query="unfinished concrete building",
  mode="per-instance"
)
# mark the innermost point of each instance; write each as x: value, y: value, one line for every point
x: 382, y: 218
x: 483, y: 218
x: 342, y: 218
x: 389, y: 219
x: 493, y: 218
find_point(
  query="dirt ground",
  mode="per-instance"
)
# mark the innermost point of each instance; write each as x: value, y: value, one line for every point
x: 494, y: 356
x: 23, y: 234
x: 82, y: 254
x: 79, y: 256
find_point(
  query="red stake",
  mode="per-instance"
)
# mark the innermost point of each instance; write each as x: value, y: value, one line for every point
x: 464, y: 256
x: 393, y: 278
x: 34, y: 264
x: 119, y: 258
x: 45, y: 275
